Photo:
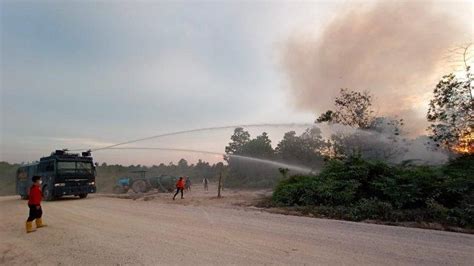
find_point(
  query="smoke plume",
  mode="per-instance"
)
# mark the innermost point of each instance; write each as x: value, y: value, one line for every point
x: 394, y: 49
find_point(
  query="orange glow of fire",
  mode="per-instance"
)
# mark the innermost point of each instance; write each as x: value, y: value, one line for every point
x: 466, y: 144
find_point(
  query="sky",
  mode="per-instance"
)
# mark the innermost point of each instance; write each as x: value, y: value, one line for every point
x: 84, y: 74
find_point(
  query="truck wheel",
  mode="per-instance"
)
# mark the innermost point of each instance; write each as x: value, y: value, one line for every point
x: 119, y: 190
x: 47, y: 194
x: 83, y: 196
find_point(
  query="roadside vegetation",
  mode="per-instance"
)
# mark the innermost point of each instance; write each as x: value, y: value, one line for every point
x: 357, y: 189
x: 7, y: 178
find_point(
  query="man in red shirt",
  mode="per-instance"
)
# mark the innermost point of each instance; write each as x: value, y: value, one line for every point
x: 34, y: 203
x: 179, y: 187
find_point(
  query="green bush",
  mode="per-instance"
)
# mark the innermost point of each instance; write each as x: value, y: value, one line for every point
x: 315, y: 190
x: 375, y: 190
x: 372, y: 209
x: 295, y: 190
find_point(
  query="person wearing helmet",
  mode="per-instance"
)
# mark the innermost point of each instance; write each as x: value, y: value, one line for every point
x: 179, y: 187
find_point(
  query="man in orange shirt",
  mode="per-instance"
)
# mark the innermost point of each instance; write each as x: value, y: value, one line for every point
x: 34, y: 203
x: 179, y: 188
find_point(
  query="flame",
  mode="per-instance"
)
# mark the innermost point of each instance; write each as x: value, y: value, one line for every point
x: 466, y: 144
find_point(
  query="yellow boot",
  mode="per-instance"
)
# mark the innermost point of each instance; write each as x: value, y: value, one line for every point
x: 29, y: 227
x: 39, y: 223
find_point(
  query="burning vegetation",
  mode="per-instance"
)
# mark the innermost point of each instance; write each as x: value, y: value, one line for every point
x: 465, y: 144
x: 451, y: 113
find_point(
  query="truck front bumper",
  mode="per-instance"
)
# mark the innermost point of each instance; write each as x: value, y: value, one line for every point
x: 74, y: 190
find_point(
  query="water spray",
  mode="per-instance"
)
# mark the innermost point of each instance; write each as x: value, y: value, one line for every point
x: 297, y: 168
x: 305, y: 125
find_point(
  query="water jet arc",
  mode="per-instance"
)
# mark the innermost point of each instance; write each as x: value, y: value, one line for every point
x: 198, y: 130
x: 296, y: 168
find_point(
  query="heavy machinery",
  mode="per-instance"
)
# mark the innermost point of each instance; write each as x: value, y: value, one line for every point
x: 140, y: 183
x: 62, y: 174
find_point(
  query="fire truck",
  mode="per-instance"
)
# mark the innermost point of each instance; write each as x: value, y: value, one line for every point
x: 62, y: 174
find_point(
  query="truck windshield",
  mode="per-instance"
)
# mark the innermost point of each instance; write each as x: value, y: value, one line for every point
x: 75, y: 167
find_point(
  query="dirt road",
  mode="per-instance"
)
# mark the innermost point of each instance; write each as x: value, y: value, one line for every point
x: 102, y: 230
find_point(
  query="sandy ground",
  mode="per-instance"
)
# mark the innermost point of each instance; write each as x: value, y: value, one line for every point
x: 202, y: 230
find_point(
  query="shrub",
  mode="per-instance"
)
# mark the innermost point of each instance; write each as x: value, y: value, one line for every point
x: 374, y: 190
x: 314, y: 190
x: 293, y: 190
x: 372, y: 209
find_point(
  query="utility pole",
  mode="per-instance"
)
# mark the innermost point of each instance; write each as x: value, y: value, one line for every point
x: 219, y: 186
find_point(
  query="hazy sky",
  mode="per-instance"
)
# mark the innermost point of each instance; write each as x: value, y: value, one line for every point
x: 87, y: 74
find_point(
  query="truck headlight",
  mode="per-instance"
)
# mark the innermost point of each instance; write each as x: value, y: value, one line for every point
x: 91, y: 183
x: 60, y: 184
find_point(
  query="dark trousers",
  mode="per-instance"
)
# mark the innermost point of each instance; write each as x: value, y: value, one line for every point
x: 177, y: 191
x: 34, y: 212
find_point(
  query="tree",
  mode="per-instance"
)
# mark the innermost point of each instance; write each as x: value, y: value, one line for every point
x: 260, y: 147
x: 239, y: 139
x: 368, y: 144
x: 243, y: 169
x: 289, y: 147
x: 353, y: 109
x: 202, y: 169
x: 451, y: 112
x: 182, y: 164
x: 218, y: 168
x: 306, y: 149
x: 375, y: 137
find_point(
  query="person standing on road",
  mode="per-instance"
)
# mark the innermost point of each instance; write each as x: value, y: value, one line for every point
x: 188, y: 184
x: 179, y: 187
x: 34, y: 203
x: 205, y: 182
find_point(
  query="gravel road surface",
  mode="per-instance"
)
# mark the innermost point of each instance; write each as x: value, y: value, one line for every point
x: 103, y: 230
